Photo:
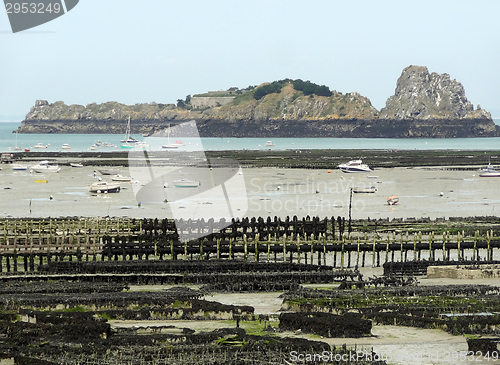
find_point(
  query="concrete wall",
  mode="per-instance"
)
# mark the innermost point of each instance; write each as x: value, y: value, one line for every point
x: 210, y: 101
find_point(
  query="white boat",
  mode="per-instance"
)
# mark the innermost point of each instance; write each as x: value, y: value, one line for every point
x: 392, y: 200
x: 104, y: 187
x: 371, y: 189
x: 66, y: 146
x: 43, y: 166
x: 108, y: 172
x: 121, y: 178
x: 75, y: 164
x: 354, y: 166
x: 128, y: 138
x: 185, y: 183
x: 40, y: 145
x: 19, y: 167
x: 94, y: 147
x: 269, y: 144
x: 170, y: 145
x: 107, y: 144
x: 17, y: 148
x: 489, y: 171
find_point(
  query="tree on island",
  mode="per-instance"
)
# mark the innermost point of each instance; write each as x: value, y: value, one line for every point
x: 307, y: 87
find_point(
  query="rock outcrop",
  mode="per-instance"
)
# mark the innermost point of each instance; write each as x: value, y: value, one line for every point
x: 423, y: 95
x: 424, y: 105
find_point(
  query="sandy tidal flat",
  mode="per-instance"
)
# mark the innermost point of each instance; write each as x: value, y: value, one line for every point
x: 423, y: 192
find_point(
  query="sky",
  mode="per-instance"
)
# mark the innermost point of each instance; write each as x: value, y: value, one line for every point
x: 161, y: 50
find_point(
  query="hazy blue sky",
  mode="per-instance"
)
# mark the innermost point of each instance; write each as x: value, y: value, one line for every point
x: 159, y: 50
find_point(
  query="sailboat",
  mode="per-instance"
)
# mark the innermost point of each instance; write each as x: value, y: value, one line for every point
x: 170, y: 145
x: 128, y: 139
x: 17, y: 148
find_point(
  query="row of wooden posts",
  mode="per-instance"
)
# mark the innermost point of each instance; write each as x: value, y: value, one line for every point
x: 118, y: 244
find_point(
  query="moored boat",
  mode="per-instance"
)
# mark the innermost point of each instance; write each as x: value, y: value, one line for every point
x: 104, y: 187
x: 121, y: 178
x: 392, y: 200
x: 185, y: 183
x: 269, y: 144
x: 128, y: 138
x: 66, y: 146
x: 354, y: 166
x: 44, y: 166
x: 108, y: 172
x: 19, y: 167
x: 75, y: 164
x: 40, y: 145
x: 371, y: 189
x: 489, y: 171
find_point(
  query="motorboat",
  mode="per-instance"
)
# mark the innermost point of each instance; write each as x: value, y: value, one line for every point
x: 19, y: 167
x: 121, y: 178
x: 104, y: 187
x: 185, y: 183
x: 371, y: 189
x: 43, y: 166
x: 94, y: 147
x: 392, y: 200
x: 40, y: 145
x: 66, y: 146
x: 107, y: 144
x: 354, y: 166
x: 76, y: 164
x: 269, y: 144
x: 489, y: 171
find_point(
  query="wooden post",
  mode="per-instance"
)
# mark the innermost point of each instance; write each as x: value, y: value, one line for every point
x: 489, y: 253
x: 475, y: 245
x: 201, y: 248
x: 374, y: 243
x: 357, y: 256
x: 324, y: 249
x: 414, y: 247
x: 431, y: 236
x: 172, y: 253
x: 312, y: 252
x: 298, y: 249
x: 387, y: 248
x: 458, y: 246
x: 342, y: 253
x: 284, y: 248
x: 444, y: 246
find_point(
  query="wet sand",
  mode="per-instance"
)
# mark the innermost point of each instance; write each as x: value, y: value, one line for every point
x: 270, y: 192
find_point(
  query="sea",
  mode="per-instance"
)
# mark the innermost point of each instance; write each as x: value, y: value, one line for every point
x: 82, y: 142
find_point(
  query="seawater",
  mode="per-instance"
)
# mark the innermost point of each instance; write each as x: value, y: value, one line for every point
x: 82, y: 142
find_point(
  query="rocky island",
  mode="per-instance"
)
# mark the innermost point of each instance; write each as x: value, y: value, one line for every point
x: 424, y: 105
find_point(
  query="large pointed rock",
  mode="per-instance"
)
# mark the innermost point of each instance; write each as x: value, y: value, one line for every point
x: 423, y: 95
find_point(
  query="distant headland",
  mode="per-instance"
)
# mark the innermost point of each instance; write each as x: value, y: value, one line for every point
x: 424, y: 104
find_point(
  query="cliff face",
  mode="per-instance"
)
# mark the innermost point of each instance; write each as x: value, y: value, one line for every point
x: 424, y: 105
x: 421, y: 95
